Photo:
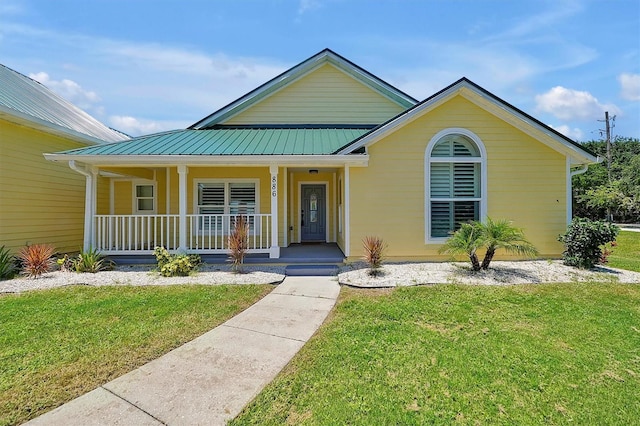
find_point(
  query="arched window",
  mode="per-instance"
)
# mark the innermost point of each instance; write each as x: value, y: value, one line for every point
x: 455, y: 182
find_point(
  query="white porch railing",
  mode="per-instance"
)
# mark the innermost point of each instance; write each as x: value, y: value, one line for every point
x: 206, y: 234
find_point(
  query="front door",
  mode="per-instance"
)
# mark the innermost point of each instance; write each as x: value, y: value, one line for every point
x: 313, y: 218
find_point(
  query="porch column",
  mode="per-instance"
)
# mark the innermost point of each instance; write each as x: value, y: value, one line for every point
x: 347, y: 212
x: 274, y: 251
x: 182, y: 208
x: 90, y: 174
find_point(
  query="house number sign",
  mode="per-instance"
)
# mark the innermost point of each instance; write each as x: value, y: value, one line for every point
x: 274, y: 186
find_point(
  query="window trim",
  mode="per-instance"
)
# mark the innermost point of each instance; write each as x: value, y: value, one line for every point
x: 226, y: 182
x: 134, y: 189
x: 482, y: 160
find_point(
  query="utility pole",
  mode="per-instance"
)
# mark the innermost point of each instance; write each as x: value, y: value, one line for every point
x: 608, y: 130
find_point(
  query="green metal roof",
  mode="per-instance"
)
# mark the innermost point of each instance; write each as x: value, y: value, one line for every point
x: 231, y: 141
x: 22, y: 96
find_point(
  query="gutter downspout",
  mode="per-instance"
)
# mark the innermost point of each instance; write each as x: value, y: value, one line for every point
x: 88, y: 203
x: 570, y: 176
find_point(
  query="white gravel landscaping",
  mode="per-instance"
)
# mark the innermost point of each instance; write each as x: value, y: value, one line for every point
x: 145, y: 275
x: 499, y: 273
x: 356, y: 275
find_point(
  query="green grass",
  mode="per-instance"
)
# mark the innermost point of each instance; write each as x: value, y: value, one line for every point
x: 626, y: 255
x: 526, y: 354
x: 58, y: 344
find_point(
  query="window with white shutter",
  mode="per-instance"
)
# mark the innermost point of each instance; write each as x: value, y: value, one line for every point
x: 454, y: 187
x: 225, y: 198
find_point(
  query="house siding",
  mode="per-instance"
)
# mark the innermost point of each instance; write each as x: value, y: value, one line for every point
x: 40, y: 201
x: 525, y: 180
x: 324, y: 96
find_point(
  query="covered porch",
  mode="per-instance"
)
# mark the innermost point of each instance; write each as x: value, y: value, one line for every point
x: 193, y: 209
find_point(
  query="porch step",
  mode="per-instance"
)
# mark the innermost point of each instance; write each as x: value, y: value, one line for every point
x: 311, y: 270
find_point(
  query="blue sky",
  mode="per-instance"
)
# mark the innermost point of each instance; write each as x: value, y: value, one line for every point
x: 143, y: 66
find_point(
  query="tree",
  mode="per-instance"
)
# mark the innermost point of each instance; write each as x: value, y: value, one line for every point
x: 594, y: 194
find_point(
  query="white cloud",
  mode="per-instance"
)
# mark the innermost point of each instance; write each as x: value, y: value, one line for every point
x: 568, y: 104
x: 630, y: 86
x: 135, y: 127
x: 69, y: 90
x: 573, y: 133
x: 308, y: 5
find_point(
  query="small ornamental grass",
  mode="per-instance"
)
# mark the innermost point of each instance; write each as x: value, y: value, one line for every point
x: 7, y: 264
x: 374, y: 249
x: 238, y: 243
x: 36, y: 259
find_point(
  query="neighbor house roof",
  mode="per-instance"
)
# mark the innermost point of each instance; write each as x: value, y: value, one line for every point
x: 298, y: 71
x: 25, y: 101
x: 487, y: 101
x: 230, y: 141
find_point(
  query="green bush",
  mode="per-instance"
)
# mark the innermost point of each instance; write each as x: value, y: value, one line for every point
x: 583, y: 241
x: 90, y: 261
x: 175, y: 265
x: 8, y: 268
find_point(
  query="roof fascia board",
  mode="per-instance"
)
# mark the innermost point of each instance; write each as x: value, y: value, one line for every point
x: 35, y: 123
x: 297, y: 72
x: 356, y: 160
x: 527, y: 125
x: 491, y: 104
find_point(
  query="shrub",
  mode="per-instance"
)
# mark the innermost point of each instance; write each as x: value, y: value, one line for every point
x: 373, y: 254
x: 238, y: 243
x: 492, y: 235
x: 90, y: 261
x: 7, y: 264
x: 583, y: 241
x: 36, y: 259
x: 175, y: 265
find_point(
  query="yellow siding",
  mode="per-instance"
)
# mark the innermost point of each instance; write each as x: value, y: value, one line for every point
x: 526, y: 183
x: 325, y: 96
x: 40, y: 201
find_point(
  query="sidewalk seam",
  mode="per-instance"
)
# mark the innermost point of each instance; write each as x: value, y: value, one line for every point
x: 304, y: 295
x: 133, y: 405
x: 263, y: 333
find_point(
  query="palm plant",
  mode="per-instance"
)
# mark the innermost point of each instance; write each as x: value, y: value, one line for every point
x: 466, y: 240
x: 492, y: 235
x: 501, y: 234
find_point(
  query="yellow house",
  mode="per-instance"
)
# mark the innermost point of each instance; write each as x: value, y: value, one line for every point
x: 327, y: 152
x: 41, y: 201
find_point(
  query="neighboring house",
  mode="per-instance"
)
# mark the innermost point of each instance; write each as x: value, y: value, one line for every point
x: 41, y: 201
x: 327, y: 152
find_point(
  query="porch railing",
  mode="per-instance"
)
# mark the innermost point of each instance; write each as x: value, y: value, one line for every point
x: 206, y: 234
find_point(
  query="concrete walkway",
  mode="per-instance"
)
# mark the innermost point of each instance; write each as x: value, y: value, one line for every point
x: 210, y: 379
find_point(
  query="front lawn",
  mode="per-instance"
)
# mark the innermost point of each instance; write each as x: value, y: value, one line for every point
x: 57, y: 344
x: 526, y: 354
x: 626, y: 255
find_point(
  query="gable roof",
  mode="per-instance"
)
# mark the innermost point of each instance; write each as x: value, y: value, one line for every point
x: 305, y: 67
x: 487, y: 101
x: 28, y: 102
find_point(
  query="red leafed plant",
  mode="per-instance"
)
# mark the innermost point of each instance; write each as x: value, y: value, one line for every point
x: 36, y: 259
x: 373, y: 254
x: 238, y: 243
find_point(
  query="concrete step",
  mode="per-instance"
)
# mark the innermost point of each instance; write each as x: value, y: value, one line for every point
x: 311, y: 270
